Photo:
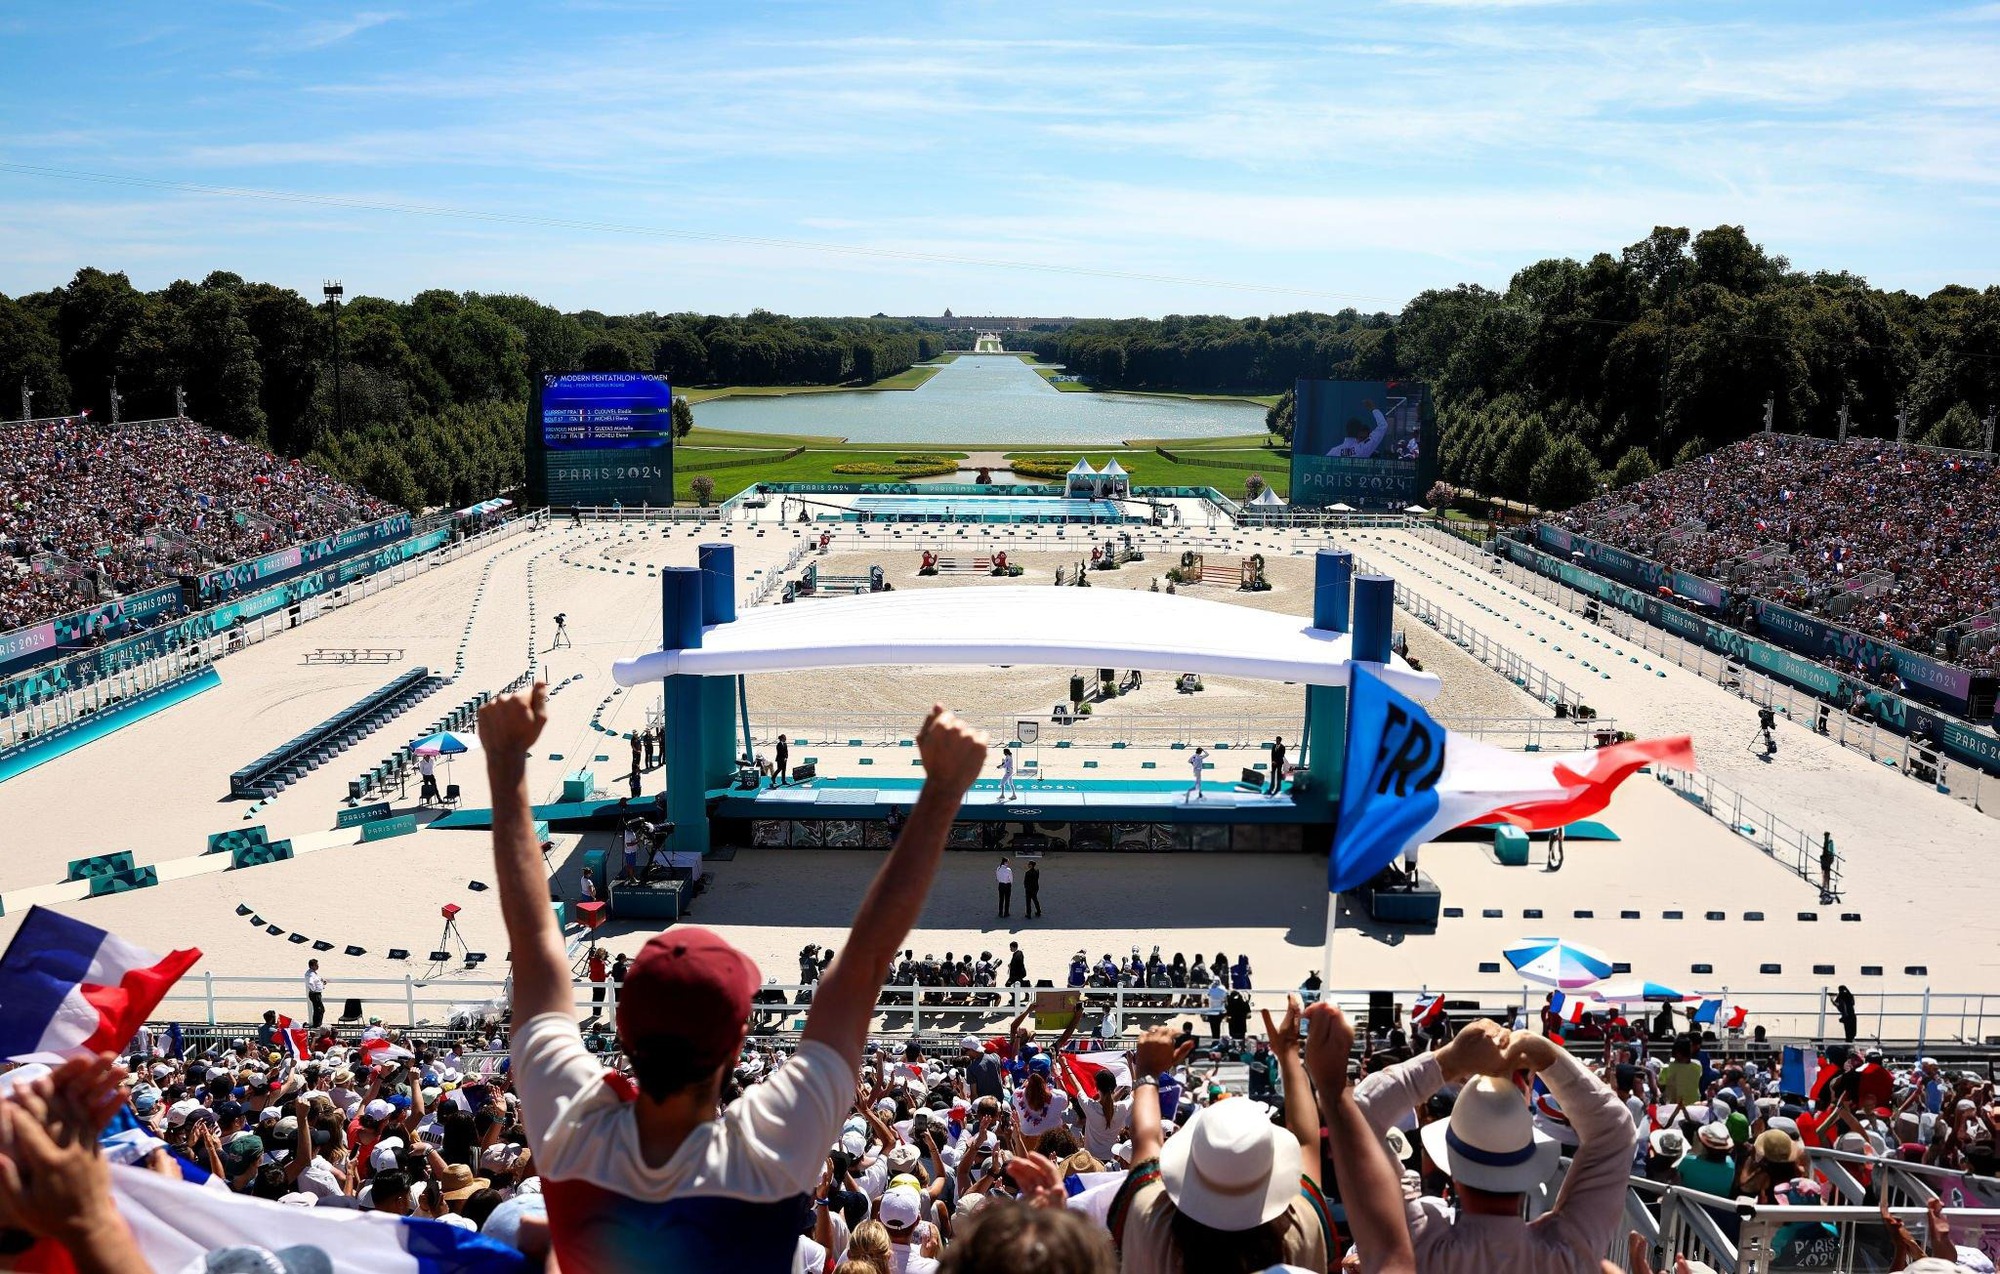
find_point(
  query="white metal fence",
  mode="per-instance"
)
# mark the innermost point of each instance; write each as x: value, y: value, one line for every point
x: 1796, y: 850
x: 1247, y: 731
x: 1908, y: 1021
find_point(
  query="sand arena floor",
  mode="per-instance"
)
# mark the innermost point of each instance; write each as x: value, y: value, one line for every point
x: 158, y: 788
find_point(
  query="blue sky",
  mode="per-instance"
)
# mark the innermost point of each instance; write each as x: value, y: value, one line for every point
x: 1142, y: 157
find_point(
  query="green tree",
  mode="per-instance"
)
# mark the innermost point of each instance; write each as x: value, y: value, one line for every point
x: 1564, y: 475
x: 682, y: 416
x: 1635, y: 466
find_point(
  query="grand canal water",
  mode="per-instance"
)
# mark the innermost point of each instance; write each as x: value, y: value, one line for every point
x: 995, y: 399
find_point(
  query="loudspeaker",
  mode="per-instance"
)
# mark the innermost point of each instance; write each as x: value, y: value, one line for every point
x: 1381, y: 1010
x: 802, y: 772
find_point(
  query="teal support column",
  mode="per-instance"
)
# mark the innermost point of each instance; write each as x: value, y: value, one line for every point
x: 680, y: 629
x: 1324, y: 748
x: 1374, y: 618
x: 718, y: 694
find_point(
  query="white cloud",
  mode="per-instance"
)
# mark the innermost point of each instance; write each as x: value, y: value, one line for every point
x: 328, y: 31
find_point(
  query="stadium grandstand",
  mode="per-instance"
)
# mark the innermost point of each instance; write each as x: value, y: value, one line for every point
x: 1899, y: 543
x: 91, y: 510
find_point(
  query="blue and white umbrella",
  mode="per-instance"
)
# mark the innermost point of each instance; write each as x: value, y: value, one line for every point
x: 1554, y: 962
x: 444, y: 743
x: 1640, y: 991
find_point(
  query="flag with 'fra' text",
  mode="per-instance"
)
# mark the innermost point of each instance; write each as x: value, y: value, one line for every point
x: 1409, y: 780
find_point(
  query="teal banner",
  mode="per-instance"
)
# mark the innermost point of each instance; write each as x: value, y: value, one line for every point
x: 361, y: 814
x: 384, y: 828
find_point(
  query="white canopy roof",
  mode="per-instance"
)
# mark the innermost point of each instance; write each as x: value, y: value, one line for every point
x: 1267, y: 499
x: 1038, y: 627
x: 1111, y: 468
x: 1082, y: 466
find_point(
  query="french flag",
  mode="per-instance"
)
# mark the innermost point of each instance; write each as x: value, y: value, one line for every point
x: 69, y: 988
x: 1800, y: 1071
x: 1713, y: 1013
x: 177, y: 1223
x: 1409, y: 780
x: 292, y: 1037
x: 1427, y: 1009
x: 1571, y: 1008
x: 1079, y: 1072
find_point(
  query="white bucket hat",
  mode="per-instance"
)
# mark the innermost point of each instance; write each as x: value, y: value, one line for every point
x: 1229, y: 1168
x: 1490, y: 1142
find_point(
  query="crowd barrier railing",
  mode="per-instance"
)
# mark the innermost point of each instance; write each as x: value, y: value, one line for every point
x: 41, y: 715
x: 1793, y: 849
x: 1742, y: 1237
x: 1943, y: 1023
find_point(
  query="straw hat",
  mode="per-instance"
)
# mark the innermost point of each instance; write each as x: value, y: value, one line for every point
x: 1229, y: 1168
x: 459, y: 1183
x: 1490, y: 1142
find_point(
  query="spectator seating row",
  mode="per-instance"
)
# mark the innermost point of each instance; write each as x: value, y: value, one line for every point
x: 286, y: 764
x: 392, y: 769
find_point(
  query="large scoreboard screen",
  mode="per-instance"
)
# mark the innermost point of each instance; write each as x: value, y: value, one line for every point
x: 1363, y: 443
x: 602, y: 438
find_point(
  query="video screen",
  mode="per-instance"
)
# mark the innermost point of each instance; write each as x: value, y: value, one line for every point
x: 1360, y: 442
x: 606, y: 411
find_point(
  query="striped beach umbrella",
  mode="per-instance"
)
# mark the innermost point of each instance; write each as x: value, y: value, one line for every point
x: 1640, y: 991
x: 1555, y: 962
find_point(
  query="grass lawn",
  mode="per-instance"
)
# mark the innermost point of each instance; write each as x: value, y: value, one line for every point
x: 814, y: 466
x: 1150, y: 469
x: 702, y: 437
x: 1254, y: 441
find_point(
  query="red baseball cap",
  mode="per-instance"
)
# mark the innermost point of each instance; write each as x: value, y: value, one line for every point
x: 691, y: 988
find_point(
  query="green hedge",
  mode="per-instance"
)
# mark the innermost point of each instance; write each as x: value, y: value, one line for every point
x: 1040, y: 468
x: 900, y: 469
x: 738, y: 462
x: 1276, y: 459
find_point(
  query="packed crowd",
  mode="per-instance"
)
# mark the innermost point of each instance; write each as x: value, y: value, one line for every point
x: 1930, y: 519
x: 138, y: 502
x: 695, y: 1144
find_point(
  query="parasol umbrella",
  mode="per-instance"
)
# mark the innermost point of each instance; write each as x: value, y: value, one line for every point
x: 444, y: 743
x: 1555, y: 962
x: 447, y: 745
x: 1640, y: 991
x: 1340, y: 508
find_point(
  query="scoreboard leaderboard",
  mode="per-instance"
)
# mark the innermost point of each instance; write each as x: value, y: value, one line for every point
x: 602, y: 438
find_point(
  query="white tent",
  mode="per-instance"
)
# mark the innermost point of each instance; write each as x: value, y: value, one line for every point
x: 1082, y: 469
x: 1340, y: 508
x: 1267, y: 499
x: 1036, y: 627
x: 1415, y: 508
x: 1111, y: 469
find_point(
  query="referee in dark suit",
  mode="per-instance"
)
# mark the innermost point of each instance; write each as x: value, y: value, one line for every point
x: 1277, y: 767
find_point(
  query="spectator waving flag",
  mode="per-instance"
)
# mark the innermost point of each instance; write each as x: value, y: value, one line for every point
x: 1427, y: 1009
x: 1713, y: 1013
x: 292, y: 1038
x: 69, y: 988
x: 1408, y: 781
x: 1571, y: 1008
x: 1802, y: 1071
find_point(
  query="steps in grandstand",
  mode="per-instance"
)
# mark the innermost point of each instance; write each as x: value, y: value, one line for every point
x: 291, y: 761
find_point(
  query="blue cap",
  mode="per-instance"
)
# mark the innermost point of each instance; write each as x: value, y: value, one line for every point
x: 399, y: 1101
x: 504, y: 1222
x: 1039, y: 1064
x: 145, y: 1103
x: 239, y: 1091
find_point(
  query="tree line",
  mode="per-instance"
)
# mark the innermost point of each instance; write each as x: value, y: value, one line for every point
x: 1605, y: 370
x: 432, y: 392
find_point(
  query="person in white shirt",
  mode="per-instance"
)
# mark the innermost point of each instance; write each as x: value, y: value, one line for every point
x: 1006, y: 774
x: 1105, y: 1117
x: 1197, y: 763
x: 1003, y: 875
x: 427, y: 766
x: 646, y: 1171
x: 315, y: 990
x: 1363, y: 438
x: 1039, y: 1106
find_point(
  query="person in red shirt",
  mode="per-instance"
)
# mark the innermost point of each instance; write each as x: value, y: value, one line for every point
x: 1875, y: 1087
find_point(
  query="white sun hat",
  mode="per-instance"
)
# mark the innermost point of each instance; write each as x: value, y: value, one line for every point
x: 1230, y: 1168
x: 1490, y: 1142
